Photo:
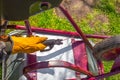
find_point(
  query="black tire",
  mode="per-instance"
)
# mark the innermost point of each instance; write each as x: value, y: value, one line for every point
x: 108, y: 49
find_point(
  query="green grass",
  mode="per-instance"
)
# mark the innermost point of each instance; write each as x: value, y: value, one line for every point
x: 107, y: 68
x: 48, y: 20
x: 108, y: 7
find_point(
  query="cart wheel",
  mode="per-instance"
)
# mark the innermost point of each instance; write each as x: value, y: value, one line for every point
x: 107, y: 49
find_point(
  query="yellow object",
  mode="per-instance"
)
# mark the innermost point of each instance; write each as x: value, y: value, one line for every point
x: 28, y: 44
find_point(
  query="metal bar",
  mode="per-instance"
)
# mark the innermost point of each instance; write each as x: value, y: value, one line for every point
x: 76, y: 27
x: 57, y: 32
x: 54, y: 63
x: 97, y: 36
x: 28, y: 27
x: 80, y: 56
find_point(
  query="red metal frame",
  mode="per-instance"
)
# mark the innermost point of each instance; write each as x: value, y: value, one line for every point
x: 28, y: 28
x: 80, y: 56
x: 74, y: 34
x: 76, y: 26
x: 56, y: 63
x: 56, y: 32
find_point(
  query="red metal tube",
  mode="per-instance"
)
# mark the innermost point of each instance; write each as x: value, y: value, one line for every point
x: 76, y: 27
x: 29, y: 30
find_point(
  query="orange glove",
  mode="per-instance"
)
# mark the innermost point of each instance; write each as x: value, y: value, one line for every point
x: 27, y: 44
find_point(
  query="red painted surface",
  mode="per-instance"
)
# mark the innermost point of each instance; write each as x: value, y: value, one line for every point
x: 55, y: 63
x: 80, y: 55
x: 56, y: 32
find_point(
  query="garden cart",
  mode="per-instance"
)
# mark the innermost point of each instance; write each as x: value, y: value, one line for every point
x: 70, y: 55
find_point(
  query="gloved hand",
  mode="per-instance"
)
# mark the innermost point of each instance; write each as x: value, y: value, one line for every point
x: 32, y: 44
x: 14, y: 45
x: 28, y: 44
